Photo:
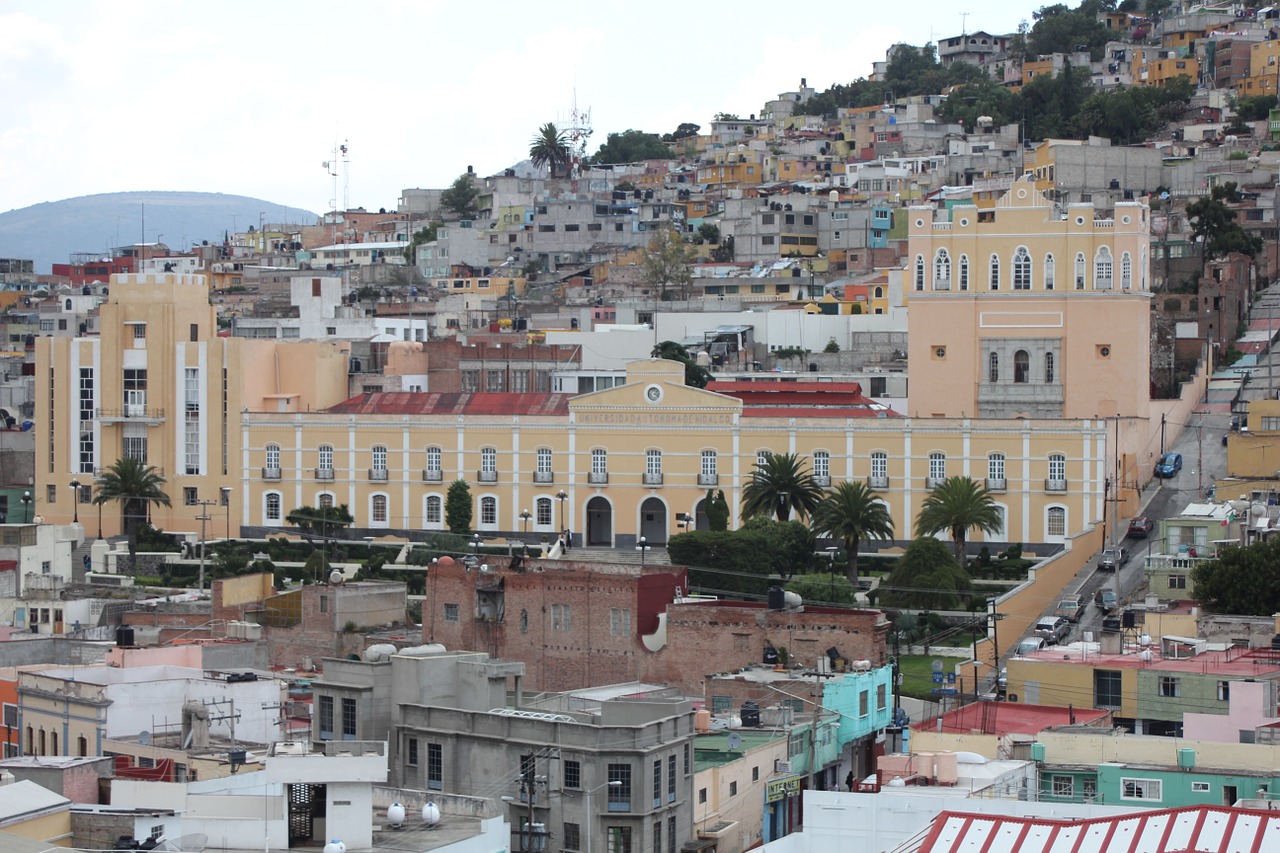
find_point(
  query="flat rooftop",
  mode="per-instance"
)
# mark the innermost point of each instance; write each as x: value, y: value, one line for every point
x: 1243, y: 663
x: 1005, y: 718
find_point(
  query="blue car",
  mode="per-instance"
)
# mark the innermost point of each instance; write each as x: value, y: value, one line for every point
x: 1169, y: 465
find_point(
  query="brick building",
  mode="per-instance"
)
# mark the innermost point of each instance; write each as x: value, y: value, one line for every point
x: 628, y: 621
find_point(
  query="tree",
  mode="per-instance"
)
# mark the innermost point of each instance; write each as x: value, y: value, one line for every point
x: 779, y: 484
x: 421, y: 236
x: 850, y: 514
x: 135, y: 485
x: 1255, y: 108
x: 683, y: 131
x: 829, y: 587
x: 695, y: 375
x: 708, y: 232
x: 1241, y: 581
x: 457, y: 508
x: 549, y: 148
x: 666, y: 262
x: 322, y: 520
x: 723, y: 254
x: 631, y: 146
x: 460, y: 197
x: 958, y: 505
x: 717, y: 510
x: 1059, y: 29
x: 742, y: 560
x: 927, y: 576
x: 1213, y: 223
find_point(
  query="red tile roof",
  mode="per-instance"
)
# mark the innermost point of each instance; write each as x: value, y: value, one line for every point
x: 426, y: 403
x: 769, y: 398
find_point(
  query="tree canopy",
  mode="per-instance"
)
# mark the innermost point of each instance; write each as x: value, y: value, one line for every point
x: 666, y: 261
x: 457, y: 508
x: 850, y: 514
x: 741, y: 561
x: 1242, y: 581
x: 926, y: 576
x: 460, y: 197
x: 549, y: 149
x: 631, y: 146
x: 683, y: 131
x: 779, y: 485
x: 695, y: 374
x: 1213, y: 223
x: 958, y: 505
x: 1061, y: 29
x: 323, y: 520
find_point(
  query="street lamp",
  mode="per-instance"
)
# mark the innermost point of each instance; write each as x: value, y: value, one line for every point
x: 562, y: 496
x: 642, y: 547
x: 525, y: 515
x: 586, y: 802
x: 475, y: 546
x: 784, y: 505
x: 683, y: 520
x: 75, y: 501
x: 225, y: 492
x: 26, y: 507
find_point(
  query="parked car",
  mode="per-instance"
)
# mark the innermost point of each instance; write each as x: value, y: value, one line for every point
x: 1169, y: 465
x: 1028, y: 645
x: 1112, y: 559
x: 1054, y: 629
x: 1069, y: 608
x: 1106, y: 599
x: 1141, y: 527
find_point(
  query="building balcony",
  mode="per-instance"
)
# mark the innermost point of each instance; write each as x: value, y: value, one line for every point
x: 708, y: 479
x: 650, y: 478
x: 271, y: 473
x: 378, y: 474
x: 1055, y: 485
x: 132, y: 414
x: 933, y: 482
x: 822, y: 482
x: 995, y: 484
x: 486, y: 476
x: 324, y: 473
x: 598, y: 478
x: 544, y: 477
x: 432, y: 475
x: 877, y: 482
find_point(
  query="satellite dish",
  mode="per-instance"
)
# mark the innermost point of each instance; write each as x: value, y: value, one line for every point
x: 144, y: 737
x: 735, y: 741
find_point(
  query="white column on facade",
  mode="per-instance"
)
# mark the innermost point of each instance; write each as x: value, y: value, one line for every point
x: 461, y: 455
x: 966, y: 448
x: 299, y: 474
x: 202, y: 356
x: 1026, y: 491
x: 408, y: 513
x: 848, y: 449
x: 247, y: 495
x: 361, y: 513
x: 908, y: 523
x: 515, y: 508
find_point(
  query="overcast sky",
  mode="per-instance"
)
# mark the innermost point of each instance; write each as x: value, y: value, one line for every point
x: 250, y: 97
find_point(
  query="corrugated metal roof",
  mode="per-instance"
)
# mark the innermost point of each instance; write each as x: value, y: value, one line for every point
x: 1203, y: 829
x: 427, y: 403
x: 802, y: 399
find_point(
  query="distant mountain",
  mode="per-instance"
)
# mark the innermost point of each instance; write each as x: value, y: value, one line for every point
x: 49, y: 233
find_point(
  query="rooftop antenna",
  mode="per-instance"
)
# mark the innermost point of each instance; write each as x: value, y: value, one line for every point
x: 964, y: 16
x: 346, y: 175
x: 331, y: 166
x: 577, y: 133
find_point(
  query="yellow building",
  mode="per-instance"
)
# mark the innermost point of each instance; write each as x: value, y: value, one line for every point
x: 494, y: 286
x: 158, y: 384
x: 1161, y: 67
x: 1264, y: 70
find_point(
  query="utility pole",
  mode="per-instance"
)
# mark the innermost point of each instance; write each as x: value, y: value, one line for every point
x: 1162, y: 423
x: 204, y: 517
x: 1106, y: 491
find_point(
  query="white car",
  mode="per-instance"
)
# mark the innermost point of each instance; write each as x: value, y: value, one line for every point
x: 1029, y: 645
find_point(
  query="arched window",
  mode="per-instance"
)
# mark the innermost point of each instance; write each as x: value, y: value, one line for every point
x: 542, y: 512
x: 489, y: 511
x: 378, y: 509
x: 1048, y: 367
x: 993, y: 367
x: 1021, y: 269
x: 995, y: 468
x: 879, y: 292
x: 324, y: 500
x: 919, y: 272
x: 82, y: 746
x: 272, y: 461
x: 995, y: 272
x: 822, y: 465
x: 1126, y: 271
x: 942, y: 270
x: 43, y: 743
x: 1080, y: 270
x: 1055, y: 522
x: 272, y: 508
x: 53, y: 743
x: 1021, y: 367
x: 1102, y: 269
x: 1048, y: 272
x: 964, y: 272
x: 435, y: 511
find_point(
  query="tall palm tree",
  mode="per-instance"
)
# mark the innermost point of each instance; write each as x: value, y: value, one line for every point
x: 550, y: 147
x: 780, y: 484
x: 958, y: 505
x: 134, y: 485
x: 850, y: 514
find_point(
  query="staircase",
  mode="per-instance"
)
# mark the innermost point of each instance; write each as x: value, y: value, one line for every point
x: 78, y: 558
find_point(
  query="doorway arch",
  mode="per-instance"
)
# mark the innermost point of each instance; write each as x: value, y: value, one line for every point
x: 653, y: 521
x: 600, y: 522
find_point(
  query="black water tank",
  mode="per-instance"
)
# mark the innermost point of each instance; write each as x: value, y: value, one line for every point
x: 1111, y: 624
x: 124, y: 635
x: 1275, y: 642
x: 750, y: 715
x: 1129, y: 618
x: 770, y: 657
x: 777, y: 598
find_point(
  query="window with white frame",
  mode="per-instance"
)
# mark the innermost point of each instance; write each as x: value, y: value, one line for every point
x: 762, y: 458
x: 1063, y: 786
x: 1056, y: 521
x: 325, y: 452
x: 1048, y: 272
x: 599, y: 461
x: 488, y: 460
x: 1048, y: 368
x: 1170, y: 686
x: 942, y: 270
x: 709, y: 463
x: 937, y: 466
x: 488, y: 510
x: 434, y: 459
x: 1140, y: 789
x: 1126, y: 271
x: 435, y: 510
x: 378, y: 509
x: 964, y: 272
x: 191, y: 421
x: 1021, y: 269
x: 1057, y: 466
x: 919, y: 272
x: 1080, y: 270
x: 542, y: 512
x: 379, y: 458
x: 273, y: 457
x: 822, y: 464
x: 653, y: 462
x: 544, y: 460
x: 879, y: 465
x: 993, y: 367
x: 995, y: 271
x: 272, y: 512
x: 995, y: 466
x: 1102, y: 269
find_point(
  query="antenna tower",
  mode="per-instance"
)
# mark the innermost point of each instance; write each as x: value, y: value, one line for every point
x: 577, y: 133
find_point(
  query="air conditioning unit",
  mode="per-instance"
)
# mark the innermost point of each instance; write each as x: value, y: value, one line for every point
x: 780, y: 766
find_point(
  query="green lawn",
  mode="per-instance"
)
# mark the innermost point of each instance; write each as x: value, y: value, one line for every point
x: 917, y: 675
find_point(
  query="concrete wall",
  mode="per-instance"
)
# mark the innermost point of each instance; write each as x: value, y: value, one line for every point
x: 53, y: 651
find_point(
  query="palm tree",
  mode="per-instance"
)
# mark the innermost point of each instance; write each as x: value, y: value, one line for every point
x: 850, y: 514
x: 958, y: 504
x: 549, y: 147
x: 135, y: 485
x: 780, y: 484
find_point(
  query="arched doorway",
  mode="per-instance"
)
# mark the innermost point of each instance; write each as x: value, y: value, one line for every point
x: 599, y: 522
x: 653, y: 521
x: 700, y: 521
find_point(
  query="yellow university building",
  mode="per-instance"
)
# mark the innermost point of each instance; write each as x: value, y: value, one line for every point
x: 1029, y: 335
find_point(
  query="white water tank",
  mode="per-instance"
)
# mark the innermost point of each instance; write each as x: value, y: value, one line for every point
x: 792, y: 600
x: 423, y: 651
x: 430, y: 813
x: 395, y: 815
x: 379, y: 652
x: 335, y: 846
